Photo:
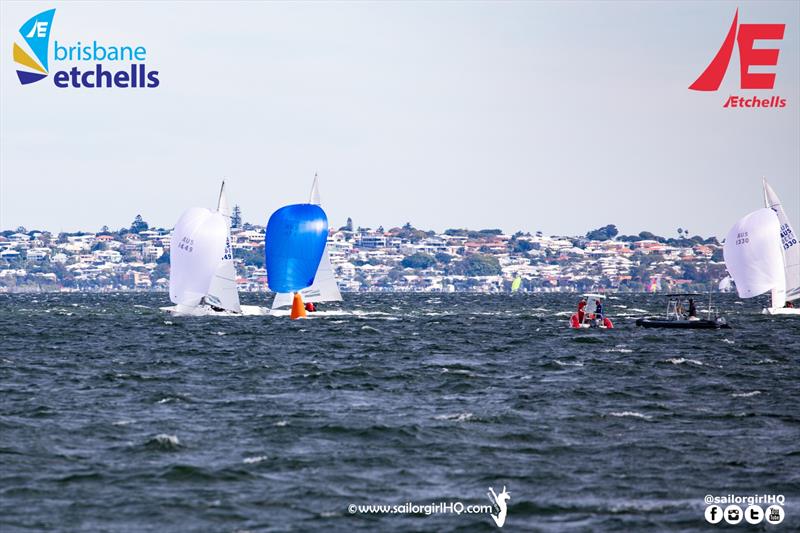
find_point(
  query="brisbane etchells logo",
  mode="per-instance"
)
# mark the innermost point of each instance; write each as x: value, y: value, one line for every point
x: 79, y: 64
x: 36, y: 34
x: 745, y: 36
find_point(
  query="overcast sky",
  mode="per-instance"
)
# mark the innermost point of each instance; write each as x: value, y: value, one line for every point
x: 559, y: 117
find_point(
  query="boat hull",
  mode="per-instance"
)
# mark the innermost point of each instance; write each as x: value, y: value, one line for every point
x: 781, y: 311
x: 680, y: 324
x: 202, y: 310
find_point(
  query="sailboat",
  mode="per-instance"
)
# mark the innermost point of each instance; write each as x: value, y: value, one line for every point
x: 516, y: 284
x: 324, y: 288
x: 294, y: 244
x: 202, y: 277
x: 762, y: 255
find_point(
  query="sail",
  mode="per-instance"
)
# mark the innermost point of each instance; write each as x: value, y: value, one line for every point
x: 324, y: 288
x: 294, y: 244
x: 754, y: 257
x: 313, y: 198
x: 197, y: 243
x: 789, y: 242
x: 515, y: 285
x: 725, y: 284
x: 223, y: 291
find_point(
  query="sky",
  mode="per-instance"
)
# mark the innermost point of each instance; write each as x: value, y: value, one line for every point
x: 532, y: 116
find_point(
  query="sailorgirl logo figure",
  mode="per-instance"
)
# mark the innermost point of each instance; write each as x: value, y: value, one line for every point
x: 499, y: 501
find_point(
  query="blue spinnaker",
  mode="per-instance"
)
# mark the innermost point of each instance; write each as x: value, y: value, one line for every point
x: 294, y: 243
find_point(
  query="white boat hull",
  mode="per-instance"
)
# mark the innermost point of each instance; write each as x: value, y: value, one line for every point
x: 781, y: 311
x: 182, y: 310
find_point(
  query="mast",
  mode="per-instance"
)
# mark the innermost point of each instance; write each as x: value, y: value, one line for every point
x: 222, y: 202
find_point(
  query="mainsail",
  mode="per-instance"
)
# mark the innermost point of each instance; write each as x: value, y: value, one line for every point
x: 789, y: 244
x: 223, y: 292
x: 324, y: 288
x: 754, y: 256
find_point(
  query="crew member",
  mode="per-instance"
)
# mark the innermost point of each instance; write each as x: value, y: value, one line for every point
x: 581, y: 307
x: 598, y: 309
x: 692, y: 309
x: 310, y: 307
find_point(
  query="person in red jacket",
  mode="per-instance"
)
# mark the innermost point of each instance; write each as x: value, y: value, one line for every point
x: 310, y: 307
x: 581, y: 307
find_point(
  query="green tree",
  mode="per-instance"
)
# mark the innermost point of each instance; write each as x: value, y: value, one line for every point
x: 603, y: 234
x: 236, y: 217
x: 253, y: 257
x: 160, y: 271
x: 477, y: 265
x: 139, y: 225
x: 418, y: 261
x: 443, y: 257
x: 523, y: 246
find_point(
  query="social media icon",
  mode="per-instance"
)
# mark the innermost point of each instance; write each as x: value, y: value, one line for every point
x: 774, y: 514
x: 713, y: 514
x: 733, y: 514
x: 754, y: 514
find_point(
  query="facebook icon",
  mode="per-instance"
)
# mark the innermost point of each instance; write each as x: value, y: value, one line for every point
x: 713, y: 514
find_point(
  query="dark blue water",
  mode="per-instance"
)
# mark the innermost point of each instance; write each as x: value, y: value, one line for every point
x: 116, y: 417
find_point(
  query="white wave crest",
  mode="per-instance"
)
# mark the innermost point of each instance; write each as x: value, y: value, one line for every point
x: 746, y: 394
x: 458, y: 417
x: 254, y: 460
x: 567, y: 363
x: 633, y: 414
x: 681, y: 360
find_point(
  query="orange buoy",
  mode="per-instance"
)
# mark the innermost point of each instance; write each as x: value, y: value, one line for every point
x: 298, y: 309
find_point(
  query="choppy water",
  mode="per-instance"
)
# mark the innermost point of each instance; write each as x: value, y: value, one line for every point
x: 115, y: 417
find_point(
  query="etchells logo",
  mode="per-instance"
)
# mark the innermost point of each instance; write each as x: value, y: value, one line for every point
x: 745, y: 36
x: 120, y: 66
x: 36, y: 33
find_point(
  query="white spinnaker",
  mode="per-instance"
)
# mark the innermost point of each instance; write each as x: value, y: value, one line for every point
x: 754, y: 257
x: 789, y: 244
x: 324, y: 288
x: 197, y: 243
x: 223, y: 291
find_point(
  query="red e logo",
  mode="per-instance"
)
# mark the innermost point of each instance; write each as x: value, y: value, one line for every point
x: 711, y: 78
